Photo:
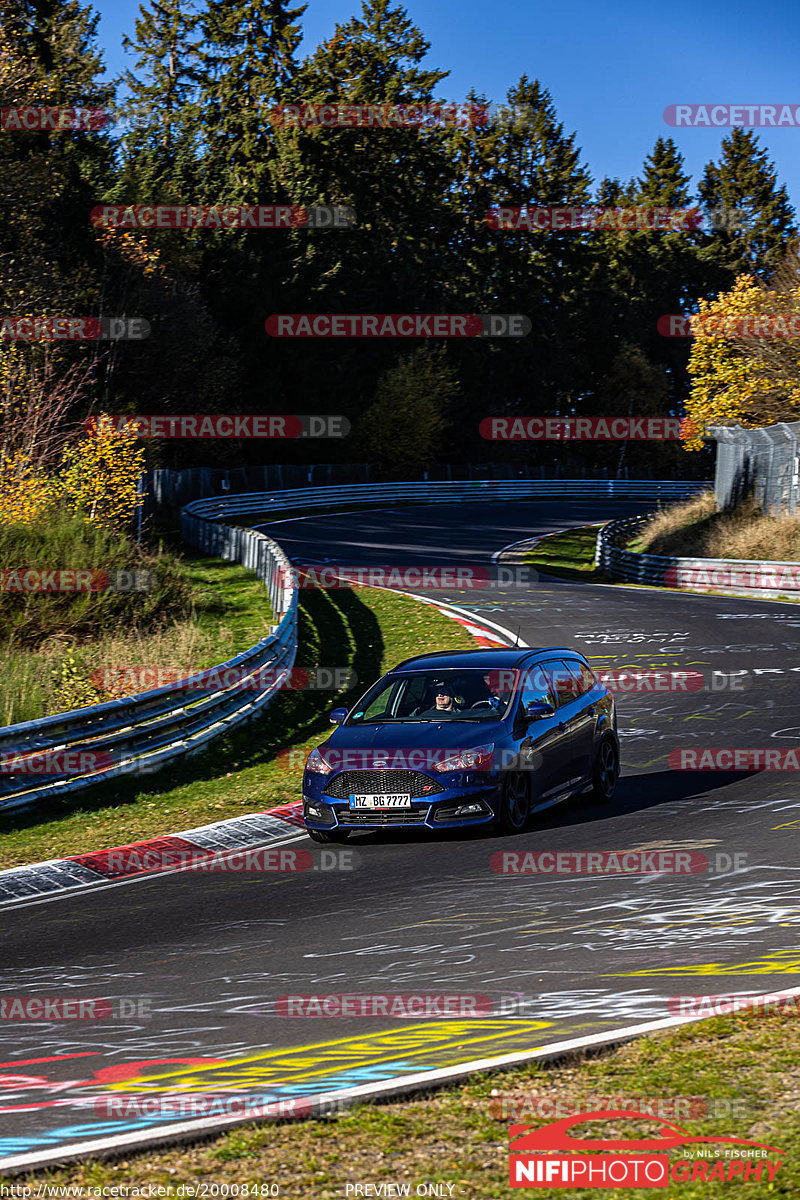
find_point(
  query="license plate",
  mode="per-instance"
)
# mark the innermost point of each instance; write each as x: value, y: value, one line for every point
x: 378, y: 800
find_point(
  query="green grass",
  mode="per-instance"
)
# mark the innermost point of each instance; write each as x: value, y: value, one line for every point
x: 568, y: 554
x: 459, y: 1136
x: 365, y: 629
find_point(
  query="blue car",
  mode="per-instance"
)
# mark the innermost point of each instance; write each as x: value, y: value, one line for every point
x: 480, y: 737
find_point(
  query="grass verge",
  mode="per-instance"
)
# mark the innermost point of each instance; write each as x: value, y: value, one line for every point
x: 366, y: 630
x: 65, y: 651
x: 744, y: 1067
x: 568, y: 554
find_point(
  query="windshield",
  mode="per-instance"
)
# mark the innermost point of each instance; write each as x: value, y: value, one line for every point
x: 471, y: 694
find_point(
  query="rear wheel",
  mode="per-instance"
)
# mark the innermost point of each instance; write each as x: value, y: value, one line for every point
x: 606, y: 771
x: 515, y: 803
x: 328, y: 835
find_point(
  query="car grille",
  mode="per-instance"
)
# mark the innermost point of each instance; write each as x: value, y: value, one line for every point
x: 417, y: 785
x: 389, y: 816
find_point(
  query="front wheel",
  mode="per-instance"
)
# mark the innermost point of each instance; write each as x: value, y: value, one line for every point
x: 606, y: 771
x: 515, y: 803
x: 328, y: 835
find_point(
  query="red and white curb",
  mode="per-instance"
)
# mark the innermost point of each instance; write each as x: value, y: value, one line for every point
x: 149, y: 858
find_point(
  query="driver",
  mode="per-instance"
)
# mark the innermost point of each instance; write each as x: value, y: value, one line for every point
x: 445, y: 701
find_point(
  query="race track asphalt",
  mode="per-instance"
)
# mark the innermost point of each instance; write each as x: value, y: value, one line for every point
x: 423, y: 913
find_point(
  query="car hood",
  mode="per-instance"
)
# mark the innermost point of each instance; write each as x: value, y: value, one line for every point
x: 450, y: 735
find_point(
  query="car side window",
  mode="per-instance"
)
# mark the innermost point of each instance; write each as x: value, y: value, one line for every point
x: 564, y: 684
x: 587, y: 676
x: 382, y: 703
x: 536, y: 687
x: 584, y: 678
x: 414, y: 696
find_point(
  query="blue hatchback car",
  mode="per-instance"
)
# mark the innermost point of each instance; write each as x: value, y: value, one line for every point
x: 480, y: 737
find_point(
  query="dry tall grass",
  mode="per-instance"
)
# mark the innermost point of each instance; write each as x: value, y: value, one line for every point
x: 696, y: 530
x: 62, y: 674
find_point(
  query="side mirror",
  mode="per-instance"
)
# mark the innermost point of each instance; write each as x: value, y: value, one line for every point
x: 338, y: 715
x: 538, y: 709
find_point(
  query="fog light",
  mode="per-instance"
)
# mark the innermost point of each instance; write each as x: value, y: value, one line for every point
x: 467, y: 810
x: 318, y: 812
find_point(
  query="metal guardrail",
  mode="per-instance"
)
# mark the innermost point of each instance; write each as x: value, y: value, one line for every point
x: 437, y: 492
x: 759, y: 579
x: 144, y: 732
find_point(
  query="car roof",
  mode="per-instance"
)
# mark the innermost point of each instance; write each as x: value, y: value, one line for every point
x: 511, y: 656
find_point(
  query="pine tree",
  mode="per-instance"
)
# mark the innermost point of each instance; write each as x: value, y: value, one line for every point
x: 396, y: 179
x: 159, y: 151
x: 744, y: 182
x: 247, y: 66
x: 60, y: 37
x: 663, y: 182
x: 529, y: 160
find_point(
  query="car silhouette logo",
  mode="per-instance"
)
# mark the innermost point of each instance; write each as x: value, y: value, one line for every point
x: 556, y: 1136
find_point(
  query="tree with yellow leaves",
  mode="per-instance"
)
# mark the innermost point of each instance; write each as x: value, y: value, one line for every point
x: 747, y: 380
x: 97, y: 480
x: 99, y: 476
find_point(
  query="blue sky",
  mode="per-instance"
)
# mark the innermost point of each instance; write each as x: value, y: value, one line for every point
x: 612, y: 67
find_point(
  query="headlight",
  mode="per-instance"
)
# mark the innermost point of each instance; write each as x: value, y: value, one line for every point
x: 479, y: 758
x: 316, y: 763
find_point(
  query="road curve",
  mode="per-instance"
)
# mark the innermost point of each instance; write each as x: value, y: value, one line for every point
x: 428, y: 914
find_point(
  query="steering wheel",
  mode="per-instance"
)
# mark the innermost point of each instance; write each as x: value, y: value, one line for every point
x: 482, y: 704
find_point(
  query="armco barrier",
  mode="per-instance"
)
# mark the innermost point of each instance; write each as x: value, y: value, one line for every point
x: 738, y: 577
x: 144, y: 732
x: 266, y: 504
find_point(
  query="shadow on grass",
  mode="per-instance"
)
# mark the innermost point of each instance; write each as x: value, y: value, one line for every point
x: 335, y: 630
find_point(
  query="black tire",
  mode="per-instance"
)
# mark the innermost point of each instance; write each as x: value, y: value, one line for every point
x: 605, y: 771
x: 515, y: 804
x: 328, y: 835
